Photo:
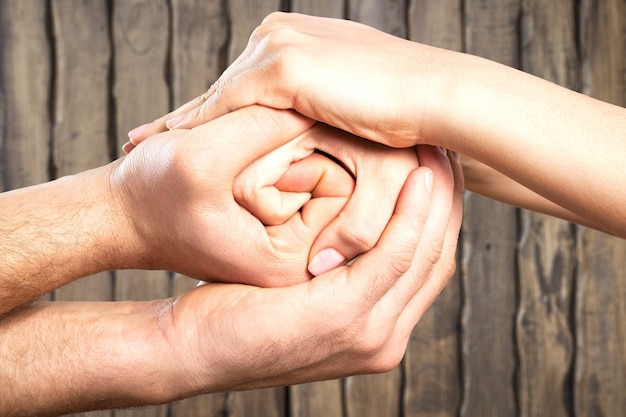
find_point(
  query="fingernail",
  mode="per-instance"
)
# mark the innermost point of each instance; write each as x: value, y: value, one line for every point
x: 428, y: 181
x: 127, y: 147
x: 174, y: 121
x: 137, y: 131
x: 325, y: 260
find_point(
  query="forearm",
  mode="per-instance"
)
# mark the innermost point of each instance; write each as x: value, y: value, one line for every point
x: 565, y: 146
x: 486, y: 181
x: 57, y: 358
x: 53, y: 233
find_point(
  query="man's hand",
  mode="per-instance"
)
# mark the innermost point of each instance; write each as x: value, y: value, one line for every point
x: 178, y: 191
x: 353, y: 319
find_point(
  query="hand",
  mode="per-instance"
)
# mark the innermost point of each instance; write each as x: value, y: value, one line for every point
x: 177, y: 190
x: 343, y: 73
x: 353, y: 319
x: 380, y: 173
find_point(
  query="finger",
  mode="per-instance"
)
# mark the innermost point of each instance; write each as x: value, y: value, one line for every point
x: 319, y: 175
x: 380, y: 175
x: 141, y: 133
x: 444, y: 268
x: 429, y: 252
x: 242, y: 137
x: 292, y: 240
x: 254, y: 188
x: 273, y: 201
x: 393, y: 255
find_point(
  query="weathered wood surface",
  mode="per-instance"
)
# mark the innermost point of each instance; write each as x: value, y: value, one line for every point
x: 488, y: 247
x: 530, y: 325
x: 546, y: 259
x: 432, y: 385
x: 600, y: 329
x: 26, y: 92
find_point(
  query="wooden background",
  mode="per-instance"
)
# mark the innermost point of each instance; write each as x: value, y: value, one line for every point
x: 533, y: 323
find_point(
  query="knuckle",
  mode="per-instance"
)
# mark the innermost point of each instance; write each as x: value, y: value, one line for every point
x: 358, y: 234
x: 380, y: 352
x: 273, y: 17
x: 434, y: 254
x: 401, y: 261
x: 268, y: 29
x: 387, y: 361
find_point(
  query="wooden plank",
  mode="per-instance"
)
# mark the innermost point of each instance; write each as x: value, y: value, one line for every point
x: 327, y: 8
x: 376, y: 395
x: 387, y: 15
x: 545, y: 343
x: 324, y: 398
x: 81, y: 121
x: 140, y: 37
x: 432, y: 385
x: 489, y: 236
x: 245, y: 16
x: 600, y: 373
x: 199, y: 36
x: 437, y: 23
x: 25, y: 68
x: 269, y: 402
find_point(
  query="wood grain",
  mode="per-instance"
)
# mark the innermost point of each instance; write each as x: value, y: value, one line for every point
x: 489, y: 250
x: 545, y: 342
x: 327, y: 8
x: 245, y: 16
x: 386, y: 15
x: 26, y: 92
x: 600, y: 373
x: 199, y: 39
x: 431, y: 366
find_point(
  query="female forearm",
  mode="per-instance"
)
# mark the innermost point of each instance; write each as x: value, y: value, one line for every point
x: 562, y: 145
x: 486, y: 181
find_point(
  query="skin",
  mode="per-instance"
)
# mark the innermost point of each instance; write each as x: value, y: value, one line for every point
x: 64, y: 357
x: 403, y: 93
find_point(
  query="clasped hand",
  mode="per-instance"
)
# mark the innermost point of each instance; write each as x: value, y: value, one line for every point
x: 208, y: 205
x: 349, y: 320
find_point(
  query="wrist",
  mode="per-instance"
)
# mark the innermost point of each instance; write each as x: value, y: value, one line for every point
x: 82, y: 356
x: 433, y: 84
x: 56, y: 232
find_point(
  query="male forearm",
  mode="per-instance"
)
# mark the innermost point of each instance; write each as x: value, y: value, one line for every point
x: 53, y: 233
x: 62, y: 357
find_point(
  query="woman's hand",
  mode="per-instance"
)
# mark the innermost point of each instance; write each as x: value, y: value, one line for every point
x: 340, y: 72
